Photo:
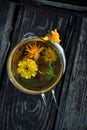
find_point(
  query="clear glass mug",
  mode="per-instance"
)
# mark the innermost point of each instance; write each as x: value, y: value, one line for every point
x: 49, y: 71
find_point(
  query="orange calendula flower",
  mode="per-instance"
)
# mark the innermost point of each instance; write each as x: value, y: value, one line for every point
x: 33, y: 51
x: 53, y: 36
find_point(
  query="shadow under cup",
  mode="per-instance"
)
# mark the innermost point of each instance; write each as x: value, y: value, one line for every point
x: 37, y: 84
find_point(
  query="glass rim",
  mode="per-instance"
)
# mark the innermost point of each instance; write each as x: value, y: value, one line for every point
x: 17, y: 84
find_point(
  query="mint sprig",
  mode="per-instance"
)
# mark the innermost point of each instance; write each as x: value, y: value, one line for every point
x: 50, y: 73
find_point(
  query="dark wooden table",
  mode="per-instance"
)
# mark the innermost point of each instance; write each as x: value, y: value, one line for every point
x: 20, y: 111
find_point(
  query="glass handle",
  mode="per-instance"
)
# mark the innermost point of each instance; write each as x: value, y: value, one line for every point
x: 27, y: 36
x: 44, y: 99
x: 54, y: 97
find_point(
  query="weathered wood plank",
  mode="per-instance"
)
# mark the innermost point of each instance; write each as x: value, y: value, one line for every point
x: 73, y: 108
x: 6, y: 15
x: 71, y: 5
x: 19, y: 110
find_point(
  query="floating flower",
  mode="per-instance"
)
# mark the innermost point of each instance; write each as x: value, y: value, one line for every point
x: 27, y: 68
x: 46, y: 38
x: 50, y: 55
x: 33, y: 51
x: 53, y: 36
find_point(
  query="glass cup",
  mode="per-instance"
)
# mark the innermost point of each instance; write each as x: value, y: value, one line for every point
x: 36, y: 66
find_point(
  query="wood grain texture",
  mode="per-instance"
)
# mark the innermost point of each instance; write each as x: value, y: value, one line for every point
x: 20, y: 111
x: 6, y: 15
x: 73, y: 108
x: 64, y: 5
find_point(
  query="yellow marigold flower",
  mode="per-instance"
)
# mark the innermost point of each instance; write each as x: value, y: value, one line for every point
x: 27, y: 68
x: 53, y: 36
x: 33, y: 50
x: 50, y: 55
x: 46, y: 38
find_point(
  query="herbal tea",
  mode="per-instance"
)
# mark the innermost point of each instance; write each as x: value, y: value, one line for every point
x: 35, y: 66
